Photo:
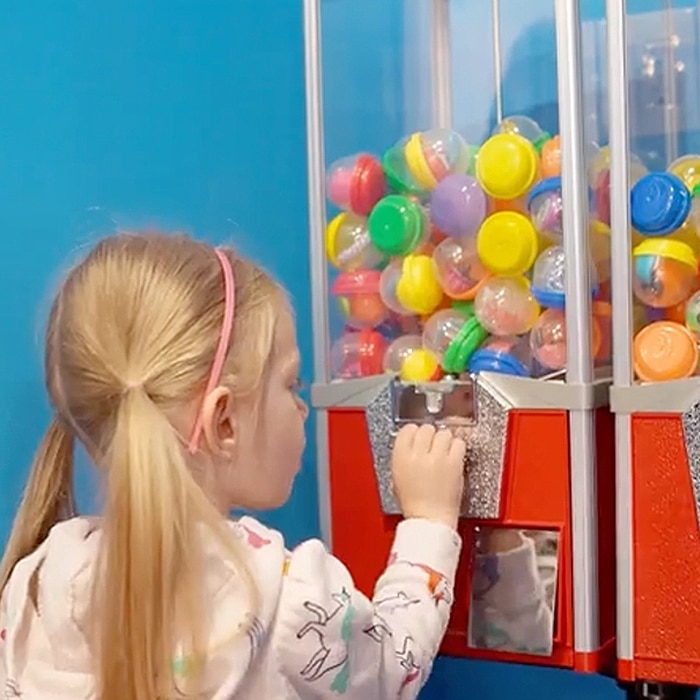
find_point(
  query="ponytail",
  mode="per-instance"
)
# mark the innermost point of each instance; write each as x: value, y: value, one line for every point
x: 48, y: 497
x: 149, y: 590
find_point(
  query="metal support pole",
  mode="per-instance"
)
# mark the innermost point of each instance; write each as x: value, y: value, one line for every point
x: 497, y: 57
x: 671, y: 127
x: 441, y: 64
x: 317, y: 218
x: 582, y: 455
x: 621, y: 242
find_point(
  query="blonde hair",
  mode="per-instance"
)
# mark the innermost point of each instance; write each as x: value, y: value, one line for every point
x: 131, y: 337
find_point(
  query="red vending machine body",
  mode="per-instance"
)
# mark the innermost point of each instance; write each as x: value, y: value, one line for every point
x: 656, y: 391
x: 663, y: 533
x: 533, y: 494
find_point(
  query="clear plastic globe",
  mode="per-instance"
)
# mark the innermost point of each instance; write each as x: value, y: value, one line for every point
x: 399, y: 350
x: 441, y: 329
x: 503, y: 354
x: 398, y: 225
x: 602, y: 319
x: 518, y: 346
x: 599, y: 244
x: 433, y: 155
x: 359, y: 300
x: 694, y: 216
x: 549, y: 277
x: 420, y: 366
x: 358, y: 354
x: 408, y: 325
x: 663, y: 351
x: 356, y: 183
x: 640, y: 315
x: 546, y: 211
x: 662, y: 281
x: 599, y: 181
x: 458, y: 268
x: 458, y: 205
x: 388, y: 281
x: 524, y: 126
x: 418, y: 289
x: 548, y: 339
x: 399, y: 177
x: 550, y: 158
x: 348, y: 245
x: 687, y: 168
x: 599, y: 160
x: 689, y: 232
x: 506, y: 306
x: 692, y: 315
x: 507, y: 167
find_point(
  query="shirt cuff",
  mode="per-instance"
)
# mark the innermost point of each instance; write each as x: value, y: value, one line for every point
x: 431, y: 544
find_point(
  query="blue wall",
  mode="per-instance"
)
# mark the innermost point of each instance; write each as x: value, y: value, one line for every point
x: 170, y: 111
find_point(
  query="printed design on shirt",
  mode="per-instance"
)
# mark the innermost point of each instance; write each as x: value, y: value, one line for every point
x: 487, y: 575
x: 330, y: 657
x: 286, y: 564
x: 396, y: 601
x: 379, y: 631
x: 408, y: 661
x: 254, y: 539
x: 438, y: 585
x: 12, y: 689
x: 254, y: 634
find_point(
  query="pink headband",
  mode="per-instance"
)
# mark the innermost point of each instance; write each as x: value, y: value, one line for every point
x: 224, y: 341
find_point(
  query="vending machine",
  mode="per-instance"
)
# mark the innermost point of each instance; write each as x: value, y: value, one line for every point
x: 655, y: 173
x: 462, y: 277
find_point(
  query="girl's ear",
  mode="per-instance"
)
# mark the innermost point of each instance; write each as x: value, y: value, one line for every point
x: 218, y: 422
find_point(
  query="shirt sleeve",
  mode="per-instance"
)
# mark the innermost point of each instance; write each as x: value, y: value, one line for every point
x: 332, y: 640
x: 511, y: 613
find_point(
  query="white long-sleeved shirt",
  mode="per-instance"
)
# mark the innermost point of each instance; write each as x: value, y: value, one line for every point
x: 315, y: 636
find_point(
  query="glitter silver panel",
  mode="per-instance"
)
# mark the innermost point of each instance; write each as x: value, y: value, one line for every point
x: 485, y: 453
x: 380, y: 425
x: 691, y: 434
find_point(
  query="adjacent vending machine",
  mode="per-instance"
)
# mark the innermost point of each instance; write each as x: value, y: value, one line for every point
x: 461, y: 276
x: 655, y: 179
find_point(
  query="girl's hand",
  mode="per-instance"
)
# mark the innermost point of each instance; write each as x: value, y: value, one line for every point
x: 428, y: 473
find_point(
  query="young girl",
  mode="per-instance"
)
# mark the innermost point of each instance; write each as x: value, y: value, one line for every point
x: 175, y: 364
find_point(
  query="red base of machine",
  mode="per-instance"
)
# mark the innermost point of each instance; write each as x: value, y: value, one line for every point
x: 666, y: 556
x: 535, y: 495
